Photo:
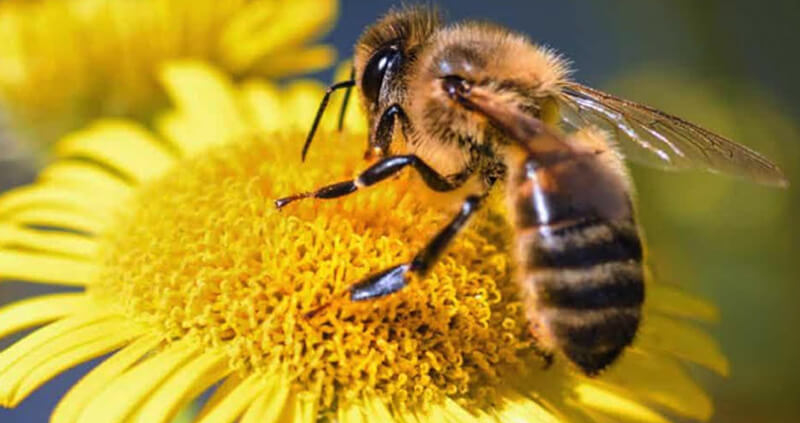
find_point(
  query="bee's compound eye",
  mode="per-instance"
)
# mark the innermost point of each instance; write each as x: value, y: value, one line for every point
x: 383, y: 60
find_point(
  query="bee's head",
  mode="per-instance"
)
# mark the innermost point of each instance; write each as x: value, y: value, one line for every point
x: 385, y: 51
x: 494, y: 60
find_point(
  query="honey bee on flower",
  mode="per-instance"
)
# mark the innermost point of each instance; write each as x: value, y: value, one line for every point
x: 479, y: 104
x: 187, y: 279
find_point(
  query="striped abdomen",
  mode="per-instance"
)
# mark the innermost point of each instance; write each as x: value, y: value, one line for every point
x: 580, y: 258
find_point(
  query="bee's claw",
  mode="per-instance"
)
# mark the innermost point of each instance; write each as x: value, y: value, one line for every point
x: 282, y: 202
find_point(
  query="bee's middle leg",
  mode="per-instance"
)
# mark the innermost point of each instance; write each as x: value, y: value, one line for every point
x: 394, y: 278
x: 381, y: 170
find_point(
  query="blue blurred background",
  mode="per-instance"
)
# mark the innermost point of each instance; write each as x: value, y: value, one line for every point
x: 731, y: 66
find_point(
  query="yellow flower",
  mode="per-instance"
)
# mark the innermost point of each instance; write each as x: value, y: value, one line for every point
x: 66, y: 62
x: 195, y: 280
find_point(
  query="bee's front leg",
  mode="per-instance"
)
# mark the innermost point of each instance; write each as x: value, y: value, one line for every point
x: 381, y: 170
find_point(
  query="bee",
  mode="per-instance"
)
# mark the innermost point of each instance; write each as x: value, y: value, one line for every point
x: 478, y: 102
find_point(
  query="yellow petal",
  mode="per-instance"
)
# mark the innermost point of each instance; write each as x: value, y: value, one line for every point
x: 455, y: 412
x: 548, y: 387
x: 220, y: 392
x: 684, y: 341
x: 296, y: 60
x: 351, y: 412
x: 88, y: 176
x: 83, y: 347
x: 59, y: 218
x: 515, y: 407
x: 599, y: 417
x: 186, y: 383
x: 51, y: 335
x: 438, y: 414
x: 123, y: 146
x: 54, y: 242
x: 37, y: 310
x: 196, y: 126
x: 662, y: 380
x: 236, y: 53
x: 405, y: 415
x: 301, y: 407
x: 41, y: 195
x: 268, y: 27
x: 74, y: 402
x: 43, y: 268
x: 672, y: 300
x: 120, y: 398
x: 270, y: 403
x: 619, y: 407
x: 377, y: 409
x: 11, y: 355
x: 231, y: 406
x: 22, y: 358
x: 263, y: 103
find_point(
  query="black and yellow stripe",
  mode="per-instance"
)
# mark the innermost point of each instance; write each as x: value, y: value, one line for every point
x: 581, y: 257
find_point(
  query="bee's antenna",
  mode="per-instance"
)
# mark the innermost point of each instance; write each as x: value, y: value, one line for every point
x: 346, y: 100
x: 322, y: 106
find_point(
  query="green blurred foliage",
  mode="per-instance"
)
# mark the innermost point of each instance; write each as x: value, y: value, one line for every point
x: 729, y: 240
x: 727, y: 65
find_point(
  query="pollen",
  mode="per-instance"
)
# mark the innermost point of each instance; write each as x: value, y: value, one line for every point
x: 202, y: 253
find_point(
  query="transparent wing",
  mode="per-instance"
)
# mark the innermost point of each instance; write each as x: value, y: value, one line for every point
x: 655, y: 138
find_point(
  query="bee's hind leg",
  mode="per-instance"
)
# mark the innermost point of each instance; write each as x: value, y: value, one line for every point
x: 395, y: 278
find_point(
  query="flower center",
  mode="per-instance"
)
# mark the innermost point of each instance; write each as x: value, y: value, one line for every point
x: 203, y: 254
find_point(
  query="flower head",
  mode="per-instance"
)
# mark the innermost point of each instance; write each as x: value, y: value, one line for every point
x: 195, y: 280
x: 67, y: 62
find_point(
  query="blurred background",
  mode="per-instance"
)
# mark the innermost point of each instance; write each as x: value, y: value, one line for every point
x: 731, y: 66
